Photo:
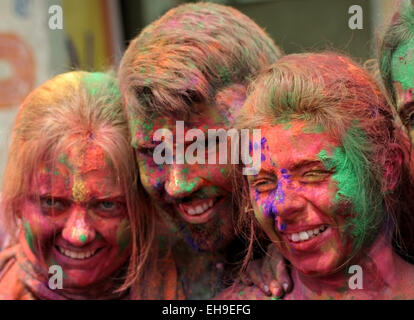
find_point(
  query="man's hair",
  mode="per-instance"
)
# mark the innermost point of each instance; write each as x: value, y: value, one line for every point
x: 188, y: 56
x: 76, y: 109
x: 331, y: 92
x: 400, y: 30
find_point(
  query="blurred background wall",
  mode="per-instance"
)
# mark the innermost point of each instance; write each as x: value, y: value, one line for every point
x: 95, y: 32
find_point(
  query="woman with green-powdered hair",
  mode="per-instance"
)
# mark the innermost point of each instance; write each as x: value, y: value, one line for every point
x: 333, y: 181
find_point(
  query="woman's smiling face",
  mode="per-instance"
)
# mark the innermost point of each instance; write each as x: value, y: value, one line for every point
x: 295, y: 197
x: 76, y: 217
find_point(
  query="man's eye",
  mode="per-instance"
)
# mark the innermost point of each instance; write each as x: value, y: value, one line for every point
x: 411, y: 119
x: 148, y: 152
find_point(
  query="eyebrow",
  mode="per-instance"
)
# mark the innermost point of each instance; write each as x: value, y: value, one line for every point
x: 305, y: 163
x: 299, y: 165
x: 113, y: 197
x: 146, y: 144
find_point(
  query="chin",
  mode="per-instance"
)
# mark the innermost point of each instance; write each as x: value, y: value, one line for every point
x: 74, y: 280
x: 318, y: 266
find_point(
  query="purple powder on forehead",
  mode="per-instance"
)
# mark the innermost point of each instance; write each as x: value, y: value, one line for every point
x: 263, y: 142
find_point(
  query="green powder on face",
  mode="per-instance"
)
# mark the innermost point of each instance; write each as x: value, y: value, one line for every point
x: 133, y: 130
x: 188, y: 187
x: 356, y: 184
x: 402, y: 65
x: 28, y: 235
x: 82, y: 238
x: 64, y: 160
x: 287, y: 126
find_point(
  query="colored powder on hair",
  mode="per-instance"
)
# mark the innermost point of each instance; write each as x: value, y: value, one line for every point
x: 313, y: 128
x: 355, y: 185
x: 123, y: 236
x: 28, y: 234
x: 95, y: 80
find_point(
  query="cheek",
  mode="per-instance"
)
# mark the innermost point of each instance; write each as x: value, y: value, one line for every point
x: 123, y: 236
x: 263, y: 217
x: 219, y: 175
x: 152, y: 176
x: 115, y: 231
x: 323, y: 197
x: 37, y: 228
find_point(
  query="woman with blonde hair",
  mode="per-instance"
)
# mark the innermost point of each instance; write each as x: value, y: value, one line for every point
x: 71, y: 197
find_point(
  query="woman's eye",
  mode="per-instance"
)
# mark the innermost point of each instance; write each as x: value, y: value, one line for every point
x: 52, y: 204
x: 315, y: 175
x: 107, y: 205
x: 264, y: 185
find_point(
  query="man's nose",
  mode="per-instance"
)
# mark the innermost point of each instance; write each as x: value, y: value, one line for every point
x: 181, y: 182
x: 78, y: 229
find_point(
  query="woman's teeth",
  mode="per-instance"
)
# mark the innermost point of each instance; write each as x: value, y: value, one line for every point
x: 306, y: 235
x: 200, y: 208
x: 77, y: 255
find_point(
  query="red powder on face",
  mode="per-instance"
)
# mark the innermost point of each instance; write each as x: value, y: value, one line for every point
x: 93, y: 158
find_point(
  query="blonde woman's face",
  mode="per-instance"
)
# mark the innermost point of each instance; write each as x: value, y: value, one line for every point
x: 76, y: 217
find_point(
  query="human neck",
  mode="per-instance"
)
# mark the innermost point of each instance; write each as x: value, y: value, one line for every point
x: 382, y: 273
x: 202, y: 274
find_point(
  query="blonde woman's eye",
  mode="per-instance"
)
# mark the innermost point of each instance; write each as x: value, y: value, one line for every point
x: 50, y: 204
x: 107, y: 205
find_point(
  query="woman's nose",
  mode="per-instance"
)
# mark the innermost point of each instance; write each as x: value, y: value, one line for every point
x: 78, y: 230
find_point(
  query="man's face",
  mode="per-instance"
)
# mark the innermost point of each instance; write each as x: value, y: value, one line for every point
x: 198, y: 197
x: 76, y: 218
x: 294, y: 197
x: 402, y: 71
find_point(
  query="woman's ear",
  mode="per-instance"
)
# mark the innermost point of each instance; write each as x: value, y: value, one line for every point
x: 392, y: 167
